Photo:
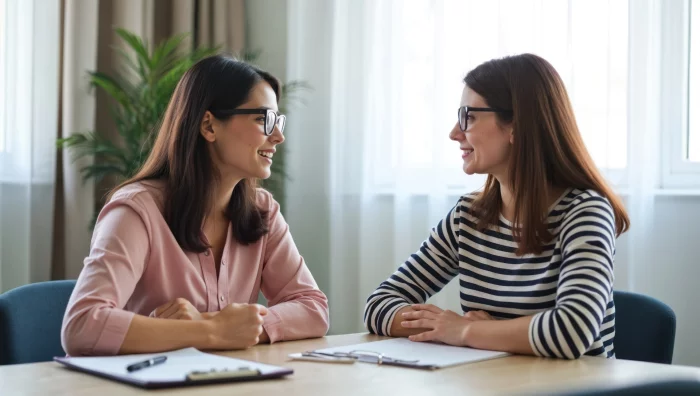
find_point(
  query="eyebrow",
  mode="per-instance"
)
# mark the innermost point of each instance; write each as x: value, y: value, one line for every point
x: 266, y: 108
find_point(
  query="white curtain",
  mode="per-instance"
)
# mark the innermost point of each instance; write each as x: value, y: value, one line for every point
x: 371, y: 165
x: 29, y: 77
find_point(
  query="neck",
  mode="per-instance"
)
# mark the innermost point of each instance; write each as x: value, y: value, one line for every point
x: 507, y: 201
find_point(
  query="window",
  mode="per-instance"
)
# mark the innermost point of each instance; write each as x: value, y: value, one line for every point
x: 429, y: 46
x: 680, y: 94
x: 693, y: 133
x: 29, y: 64
x: 2, y: 76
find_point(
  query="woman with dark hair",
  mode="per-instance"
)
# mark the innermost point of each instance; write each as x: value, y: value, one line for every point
x: 534, y: 250
x: 181, y: 250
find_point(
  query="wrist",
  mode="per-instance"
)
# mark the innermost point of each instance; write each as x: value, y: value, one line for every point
x: 467, y: 334
x: 209, y: 333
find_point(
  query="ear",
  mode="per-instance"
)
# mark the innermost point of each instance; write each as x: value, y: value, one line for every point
x: 512, y: 136
x: 206, y: 129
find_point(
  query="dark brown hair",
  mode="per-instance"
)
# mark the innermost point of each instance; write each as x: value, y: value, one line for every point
x: 180, y: 157
x: 548, y: 151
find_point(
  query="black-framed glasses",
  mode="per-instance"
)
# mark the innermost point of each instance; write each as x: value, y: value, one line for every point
x: 463, y: 114
x: 272, y: 118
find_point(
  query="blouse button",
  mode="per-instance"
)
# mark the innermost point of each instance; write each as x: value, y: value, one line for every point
x: 221, y: 298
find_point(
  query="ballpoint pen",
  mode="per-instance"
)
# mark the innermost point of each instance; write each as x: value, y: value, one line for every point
x: 146, y: 363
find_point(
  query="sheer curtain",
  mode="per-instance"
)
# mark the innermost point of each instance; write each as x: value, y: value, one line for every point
x: 378, y: 120
x: 29, y: 77
x: 46, y: 49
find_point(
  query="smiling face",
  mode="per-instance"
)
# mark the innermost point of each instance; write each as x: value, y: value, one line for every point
x: 238, y: 145
x: 486, y: 144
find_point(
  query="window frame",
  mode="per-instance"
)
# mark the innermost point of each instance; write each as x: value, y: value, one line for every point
x: 676, y: 171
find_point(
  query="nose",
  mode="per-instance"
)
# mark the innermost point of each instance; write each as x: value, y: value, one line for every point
x: 276, y: 137
x: 456, y: 133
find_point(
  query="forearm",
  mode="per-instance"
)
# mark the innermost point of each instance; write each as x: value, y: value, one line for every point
x: 500, y: 335
x: 296, y: 319
x: 147, y: 335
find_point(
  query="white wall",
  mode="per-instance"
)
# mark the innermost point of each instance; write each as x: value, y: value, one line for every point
x: 671, y: 269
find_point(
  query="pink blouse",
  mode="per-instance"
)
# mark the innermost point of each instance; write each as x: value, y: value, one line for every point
x: 135, y: 265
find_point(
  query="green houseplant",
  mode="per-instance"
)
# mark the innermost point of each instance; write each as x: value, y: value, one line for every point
x: 141, y: 91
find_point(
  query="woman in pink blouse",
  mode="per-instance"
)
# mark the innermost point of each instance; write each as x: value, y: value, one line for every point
x: 181, y: 250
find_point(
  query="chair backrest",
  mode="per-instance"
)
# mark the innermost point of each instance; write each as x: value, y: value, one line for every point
x: 645, y: 328
x: 30, y: 321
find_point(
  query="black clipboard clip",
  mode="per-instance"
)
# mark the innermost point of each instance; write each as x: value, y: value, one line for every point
x: 213, y: 374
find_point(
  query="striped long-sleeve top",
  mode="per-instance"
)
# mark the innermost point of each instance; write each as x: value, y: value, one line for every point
x: 567, y: 288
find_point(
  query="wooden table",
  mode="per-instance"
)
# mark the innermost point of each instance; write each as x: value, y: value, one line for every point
x: 511, y: 375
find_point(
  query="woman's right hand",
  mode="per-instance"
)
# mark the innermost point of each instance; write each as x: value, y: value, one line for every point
x: 237, y: 326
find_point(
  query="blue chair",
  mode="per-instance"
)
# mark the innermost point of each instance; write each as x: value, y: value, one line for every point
x: 645, y: 328
x: 30, y: 321
x: 665, y: 388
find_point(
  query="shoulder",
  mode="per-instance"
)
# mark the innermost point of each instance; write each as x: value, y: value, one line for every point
x: 465, y: 203
x: 145, y: 197
x: 266, y: 202
x: 264, y: 199
x: 467, y: 200
x: 586, y: 209
x: 578, y: 201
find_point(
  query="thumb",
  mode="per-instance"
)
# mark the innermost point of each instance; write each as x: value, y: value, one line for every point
x: 262, y: 309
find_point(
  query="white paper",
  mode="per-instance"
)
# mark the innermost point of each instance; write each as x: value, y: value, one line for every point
x: 179, y: 364
x: 426, y: 353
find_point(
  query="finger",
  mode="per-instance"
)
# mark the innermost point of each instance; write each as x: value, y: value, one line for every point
x: 413, y: 315
x: 424, y: 336
x: 426, y: 307
x: 182, y: 315
x: 420, y: 323
x: 171, y: 311
x: 163, y: 308
x: 483, y: 315
x: 263, y: 310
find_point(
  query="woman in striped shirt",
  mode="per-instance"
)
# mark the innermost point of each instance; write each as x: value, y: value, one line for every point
x: 534, y: 249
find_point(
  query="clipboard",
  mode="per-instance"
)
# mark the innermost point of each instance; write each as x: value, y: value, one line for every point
x: 402, y: 352
x: 184, y: 367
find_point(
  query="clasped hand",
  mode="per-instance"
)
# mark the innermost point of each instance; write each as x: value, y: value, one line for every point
x: 237, y: 326
x: 443, y: 326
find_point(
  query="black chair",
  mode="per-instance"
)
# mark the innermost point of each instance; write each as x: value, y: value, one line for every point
x: 30, y: 321
x: 645, y: 328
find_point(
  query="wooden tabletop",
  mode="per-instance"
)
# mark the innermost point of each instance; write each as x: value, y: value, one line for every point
x: 511, y: 375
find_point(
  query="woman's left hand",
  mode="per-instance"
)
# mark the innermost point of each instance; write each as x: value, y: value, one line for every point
x: 445, y: 326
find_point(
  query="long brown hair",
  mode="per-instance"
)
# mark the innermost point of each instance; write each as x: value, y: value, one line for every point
x: 548, y: 151
x: 180, y: 157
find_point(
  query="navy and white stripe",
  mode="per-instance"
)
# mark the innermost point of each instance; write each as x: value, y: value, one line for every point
x: 568, y: 287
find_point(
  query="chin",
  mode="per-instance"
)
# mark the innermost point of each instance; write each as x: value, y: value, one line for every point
x: 263, y: 174
x: 468, y: 170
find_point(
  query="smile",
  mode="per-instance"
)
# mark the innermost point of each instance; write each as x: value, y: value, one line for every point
x: 266, y: 154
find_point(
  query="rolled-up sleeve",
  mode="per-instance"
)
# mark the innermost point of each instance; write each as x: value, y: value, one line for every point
x: 95, y: 322
x: 297, y: 307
